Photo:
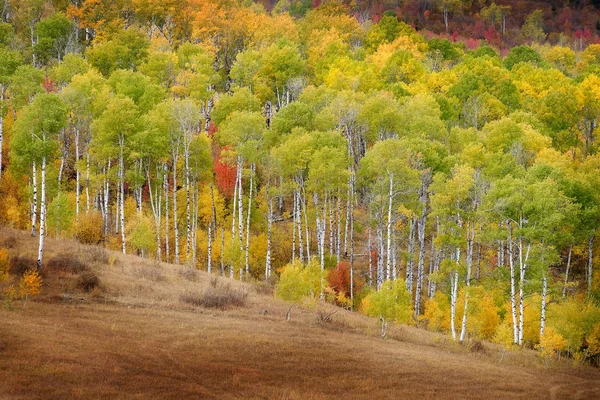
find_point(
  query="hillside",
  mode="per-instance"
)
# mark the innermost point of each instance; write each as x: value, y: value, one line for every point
x: 132, y: 337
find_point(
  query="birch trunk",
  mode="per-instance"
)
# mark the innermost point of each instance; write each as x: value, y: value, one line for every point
x: 411, y: 250
x: 421, y: 225
x: 175, y: 224
x: 77, y: 174
x: 589, y: 266
x: 42, y: 216
x: 351, y: 240
x: 188, y: 210
x: 564, y: 292
x: 294, y: 224
x: 122, y: 197
x: 209, y: 255
x: 299, y: 221
x: 234, y: 208
x: 222, y: 250
x: 155, y: 213
x: 469, y: 261
x: 513, y: 300
x: 240, y: 204
x: 454, y: 294
x: 543, y: 312
x: 252, y: 167
x: 34, y: 202
x: 87, y: 182
x: 269, y: 224
x: 166, y: 189
x: 389, y: 227
x: 339, y: 232
x: 380, y: 271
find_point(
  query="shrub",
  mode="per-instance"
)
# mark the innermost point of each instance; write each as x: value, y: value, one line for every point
x: 4, y: 265
x: 437, y: 313
x: 477, y: 347
x: 141, y: 236
x: 392, y: 302
x: 98, y: 255
x: 66, y: 263
x: 88, y: 229
x: 221, y: 297
x: 30, y: 285
x: 88, y: 281
x: 552, y: 342
x: 10, y: 294
x: 10, y: 242
x: 298, y: 281
x: 21, y: 264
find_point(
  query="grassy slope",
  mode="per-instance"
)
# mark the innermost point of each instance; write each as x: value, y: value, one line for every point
x: 135, y: 339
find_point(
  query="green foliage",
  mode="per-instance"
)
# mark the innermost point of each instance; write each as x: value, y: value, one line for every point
x: 522, y: 54
x: 298, y: 281
x: 53, y: 34
x: 61, y: 213
x: 392, y: 302
x: 127, y: 50
x: 141, y: 234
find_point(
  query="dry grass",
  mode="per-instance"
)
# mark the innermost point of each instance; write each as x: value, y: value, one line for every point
x: 137, y: 340
x: 218, y: 295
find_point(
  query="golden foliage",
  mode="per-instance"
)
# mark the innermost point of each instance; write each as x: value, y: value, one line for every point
x: 552, y: 342
x: 4, y: 265
x: 88, y: 229
x: 30, y: 284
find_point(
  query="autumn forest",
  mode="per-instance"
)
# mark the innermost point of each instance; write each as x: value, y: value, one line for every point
x: 424, y: 162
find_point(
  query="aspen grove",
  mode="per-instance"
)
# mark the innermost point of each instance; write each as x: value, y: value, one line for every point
x: 349, y: 159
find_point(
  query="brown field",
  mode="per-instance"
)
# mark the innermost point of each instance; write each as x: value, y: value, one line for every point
x: 134, y: 338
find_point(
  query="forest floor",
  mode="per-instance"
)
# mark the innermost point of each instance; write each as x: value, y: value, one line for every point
x: 133, y: 337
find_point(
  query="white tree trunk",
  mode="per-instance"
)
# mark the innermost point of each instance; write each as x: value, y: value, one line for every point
x: 34, y: 202
x: 470, y: 240
x: 155, y: 205
x: 175, y: 224
x: 188, y: 210
x: 454, y: 294
x: 380, y: 249
x: 299, y: 221
x: 77, y: 174
x: 411, y: 261
x: 166, y: 189
x: 352, y: 241
x: 269, y: 224
x: 522, y: 270
x: 209, y: 253
x: 87, y: 182
x: 421, y: 225
x: 590, y: 263
x: 122, y: 200
x: 513, y: 300
x: 42, y: 217
x: 252, y: 167
x: 389, y: 227
x: 564, y: 292
x: 241, y: 204
x: 294, y: 224
x: 543, y: 312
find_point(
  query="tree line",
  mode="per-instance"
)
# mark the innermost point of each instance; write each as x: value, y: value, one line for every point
x: 361, y: 164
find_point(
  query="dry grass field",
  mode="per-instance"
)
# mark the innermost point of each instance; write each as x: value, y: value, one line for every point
x: 133, y: 337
